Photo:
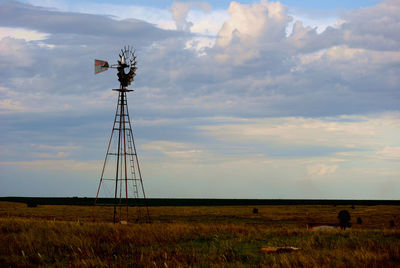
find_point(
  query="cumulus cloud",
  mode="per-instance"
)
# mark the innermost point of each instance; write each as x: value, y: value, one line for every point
x: 180, y: 11
x: 264, y: 22
x: 373, y: 27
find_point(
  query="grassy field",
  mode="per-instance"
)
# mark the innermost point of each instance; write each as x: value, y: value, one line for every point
x: 79, y: 236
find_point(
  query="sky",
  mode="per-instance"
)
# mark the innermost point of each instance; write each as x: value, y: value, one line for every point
x: 250, y: 99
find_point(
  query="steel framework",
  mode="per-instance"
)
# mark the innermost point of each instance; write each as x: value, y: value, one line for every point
x: 121, y: 169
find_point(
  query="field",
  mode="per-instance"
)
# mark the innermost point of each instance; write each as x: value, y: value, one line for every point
x: 220, y: 236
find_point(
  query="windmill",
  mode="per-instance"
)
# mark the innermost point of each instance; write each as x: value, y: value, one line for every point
x: 121, y: 177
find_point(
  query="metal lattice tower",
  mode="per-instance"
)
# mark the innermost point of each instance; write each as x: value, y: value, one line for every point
x: 121, y: 177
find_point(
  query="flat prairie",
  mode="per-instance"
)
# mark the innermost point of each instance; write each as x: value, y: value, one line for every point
x: 209, y: 236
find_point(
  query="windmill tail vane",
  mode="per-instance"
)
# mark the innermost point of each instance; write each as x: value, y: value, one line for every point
x: 100, y: 66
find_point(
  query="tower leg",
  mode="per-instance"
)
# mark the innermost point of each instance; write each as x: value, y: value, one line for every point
x: 118, y: 155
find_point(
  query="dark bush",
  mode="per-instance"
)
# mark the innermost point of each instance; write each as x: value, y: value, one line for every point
x: 255, y: 210
x: 31, y: 205
x: 359, y: 220
x: 344, y: 219
x: 392, y: 224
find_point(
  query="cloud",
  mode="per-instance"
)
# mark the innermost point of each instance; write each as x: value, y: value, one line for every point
x: 56, y: 155
x: 56, y: 165
x: 207, y: 22
x: 250, y: 26
x: 8, y: 104
x: 21, y: 33
x: 14, y: 53
x: 373, y: 27
x: 176, y: 150
x: 90, y: 28
x: 321, y: 169
x: 118, y: 11
x: 344, y: 132
x: 261, y: 22
x: 57, y: 147
x: 180, y: 11
x: 390, y: 152
x: 204, y: 24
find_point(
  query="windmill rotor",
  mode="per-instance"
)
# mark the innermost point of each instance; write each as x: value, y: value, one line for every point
x: 126, y: 66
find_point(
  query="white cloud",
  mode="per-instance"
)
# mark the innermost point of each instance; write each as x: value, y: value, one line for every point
x: 207, y: 23
x: 318, y: 19
x: 53, y: 155
x: 198, y: 44
x: 249, y: 24
x: 14, y: 52
x: 196, y: 17
x: 180, y: 11
x: 9, y: 104
x: 176, y: 149
x: 353, y: 132
x: 21, y: 33
x: 390, y: 152
x: 321, y: 169
x: 56, y: 165
x: 56, y: 147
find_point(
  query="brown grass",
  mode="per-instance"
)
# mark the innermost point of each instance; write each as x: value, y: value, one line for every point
x: 196, y: 237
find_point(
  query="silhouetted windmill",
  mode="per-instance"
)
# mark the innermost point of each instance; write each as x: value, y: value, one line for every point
x: 121, y: 171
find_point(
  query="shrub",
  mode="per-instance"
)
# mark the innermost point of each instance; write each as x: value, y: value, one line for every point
x: 344, y: 219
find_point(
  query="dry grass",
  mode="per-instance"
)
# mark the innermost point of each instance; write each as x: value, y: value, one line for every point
x: 195, y: 237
